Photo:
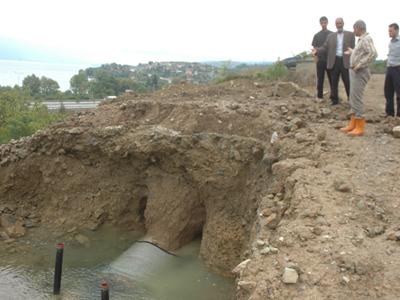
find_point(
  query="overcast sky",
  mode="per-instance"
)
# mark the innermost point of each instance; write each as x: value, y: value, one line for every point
x: 159, y: 30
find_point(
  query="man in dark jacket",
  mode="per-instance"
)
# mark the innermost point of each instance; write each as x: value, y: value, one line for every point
x: 337, y: 61
x: 318, y: 41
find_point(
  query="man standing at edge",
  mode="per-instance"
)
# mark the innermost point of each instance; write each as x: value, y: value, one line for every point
x: 338, y: 62
x: 360, y: 57
x: 392, y: 79
x: 318, y: 40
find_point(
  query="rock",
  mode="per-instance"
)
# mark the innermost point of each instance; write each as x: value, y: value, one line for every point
x: 247, y: 285
x: 265, y: 251
x: 260, y: 243
x: 325, y: 112
x: 4, y: 235
x: 273, y: 250
x: 238, y: 270
x: 29, y: 223
x: 83, y: 240
x: 396, y: 132
x: 342, y: 186
x: 394, y: 236
x: 290, y: 276
x: 346, y: 279
x: 272, y: 221
x: 321, y: 136
x: 317, y: 230
x: 300, y: 137
x: 93, y: 226
x: 12, y: 226
x: 75, y: 130
x: 72, y: 229
x: 374, y: 231
x: 298, y: 122
x: 7, y: 220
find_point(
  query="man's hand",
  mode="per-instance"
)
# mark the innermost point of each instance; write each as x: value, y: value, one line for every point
x: 348, y: 51
x: 314, y: 51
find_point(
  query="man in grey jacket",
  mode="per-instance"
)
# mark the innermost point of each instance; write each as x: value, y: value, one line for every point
x: 337, y: 61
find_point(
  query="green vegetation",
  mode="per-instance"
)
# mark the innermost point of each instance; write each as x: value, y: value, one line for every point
x: 19, y: 115
x: 378, y: 67
x: 41, y: 88
x: 271, y: 72
x: 278, y: 71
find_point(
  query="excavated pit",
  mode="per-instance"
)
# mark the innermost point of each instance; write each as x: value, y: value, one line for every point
x: 192, y: 161
x: 175, y: 169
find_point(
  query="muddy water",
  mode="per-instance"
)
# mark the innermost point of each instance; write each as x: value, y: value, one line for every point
x: 28, y: 273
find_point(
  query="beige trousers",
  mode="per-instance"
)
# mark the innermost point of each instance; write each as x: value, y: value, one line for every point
x: 358, y: 81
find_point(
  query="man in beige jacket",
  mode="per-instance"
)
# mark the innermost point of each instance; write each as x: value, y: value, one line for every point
x: 360, y: 57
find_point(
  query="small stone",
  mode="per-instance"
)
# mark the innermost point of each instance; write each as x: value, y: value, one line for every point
x: 321, y: 136
x: 361, y: 204
x: 374, y: 231
x: 246, y: 285
x: 394, y: 236
x: 83, y: 240
x: 260, y: 243
x: 396, y: 132
x: 273, y: 249
x: 4, y: 235
x: 290, y: 275
x: 240, y: 267
x: 346, y: 279
x: 341, y: 186
x: 265, y: 251
x: 317, y: 230
x: 325, y: 112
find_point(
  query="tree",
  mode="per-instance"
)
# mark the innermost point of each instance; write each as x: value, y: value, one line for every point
x: 152, y: 82
x: 103, y: 85
x: 48, y: 87
x: 32, y: 84
x: 19, y: 116
x: 79, y: 84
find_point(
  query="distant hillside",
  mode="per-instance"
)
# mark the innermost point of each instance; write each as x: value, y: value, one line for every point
x: 234, y: 64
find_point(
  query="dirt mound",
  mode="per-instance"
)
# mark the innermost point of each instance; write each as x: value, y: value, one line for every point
x: 314, y: 207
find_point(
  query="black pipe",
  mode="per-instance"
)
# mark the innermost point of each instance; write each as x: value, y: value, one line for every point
x: 58, y: 268
x: 155, y: 245
x: 104, y: 291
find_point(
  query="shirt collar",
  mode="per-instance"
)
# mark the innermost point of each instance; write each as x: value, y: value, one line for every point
x: 395, y: 39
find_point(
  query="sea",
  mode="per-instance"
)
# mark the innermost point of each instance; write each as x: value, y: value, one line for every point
x: 13, y: 72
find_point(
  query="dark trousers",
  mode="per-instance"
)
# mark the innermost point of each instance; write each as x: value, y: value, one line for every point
x: 337, y: 70
x: 392, y: 85
x: 321, y: 69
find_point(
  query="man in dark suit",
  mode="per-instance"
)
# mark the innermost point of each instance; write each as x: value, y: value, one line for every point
x: 338, y: 62
x: 318, y: 41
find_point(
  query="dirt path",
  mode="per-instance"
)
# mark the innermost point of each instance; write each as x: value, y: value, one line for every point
x: 343, y: 206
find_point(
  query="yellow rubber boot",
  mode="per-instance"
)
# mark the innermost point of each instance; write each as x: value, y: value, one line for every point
x: 351, y: 126
x: 360, y: 128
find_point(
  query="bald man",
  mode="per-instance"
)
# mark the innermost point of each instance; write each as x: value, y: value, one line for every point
x: 361, y: 57
x: 337, y: 61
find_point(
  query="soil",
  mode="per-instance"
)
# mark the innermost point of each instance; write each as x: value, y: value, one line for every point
x: 198, y: 160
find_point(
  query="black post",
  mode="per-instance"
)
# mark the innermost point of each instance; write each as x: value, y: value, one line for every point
x: 104, y: 291
x: 58, y: 268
